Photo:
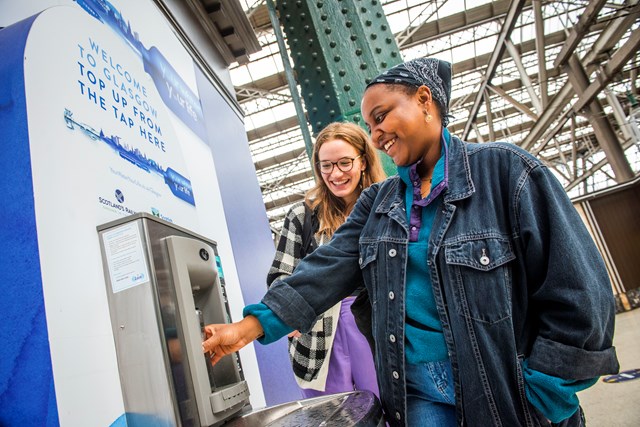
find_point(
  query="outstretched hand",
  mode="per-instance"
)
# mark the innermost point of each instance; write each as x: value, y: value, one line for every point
x: 224, y: 339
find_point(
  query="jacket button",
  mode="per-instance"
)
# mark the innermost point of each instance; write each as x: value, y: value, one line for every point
x: 392, y: 295
x: 484, y: 259
x: 392, y: 338
x: 398, y: 416
x: 360, y: 261
x: 395, y: 375
x: 392, y: 252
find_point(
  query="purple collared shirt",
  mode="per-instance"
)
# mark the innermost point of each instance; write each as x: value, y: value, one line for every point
x: 440, y: 181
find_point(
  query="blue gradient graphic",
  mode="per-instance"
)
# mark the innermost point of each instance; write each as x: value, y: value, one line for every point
x: 175, y: 93
x: 178, y: 184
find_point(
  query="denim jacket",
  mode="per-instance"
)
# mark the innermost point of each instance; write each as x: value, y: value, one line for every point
x: 515, y: 276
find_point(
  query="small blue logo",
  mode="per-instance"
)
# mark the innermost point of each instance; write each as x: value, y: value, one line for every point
x: 137, y: 277
x: 119, y: 196
x: 156, y: 212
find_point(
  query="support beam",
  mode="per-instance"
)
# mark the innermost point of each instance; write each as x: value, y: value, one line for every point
x: 248, y: 93
x: 519, y: 106
x: 283, y: 201
x: 337, y: 48
x: 458, y: 22
x: 607, y: 138
x: 487, y: 103
x: 618, y: 26
x: 558, y: 171
x: 513, y: 51
x: 277, y: 82
x: 578, y: 31
x: 563, y: 158
x: 618, y: 113
x: 553, y: 132
x: 279, y: 159
x: 479, y: 137
x: 287, y: 179
x: 426, y: 14
x: 574, y: 147
x: 610, y: 69
x: 590, y: 171
x: 293, y: 87
x: 515, y: 8
x: 282, y: 125
x: 540, y: 50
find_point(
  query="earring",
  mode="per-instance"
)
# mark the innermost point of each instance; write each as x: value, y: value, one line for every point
x: 428, y: 117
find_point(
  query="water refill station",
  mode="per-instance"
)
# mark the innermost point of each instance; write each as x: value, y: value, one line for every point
x: 158, y: 325
x: 131, y: 217
x: 158, y: 331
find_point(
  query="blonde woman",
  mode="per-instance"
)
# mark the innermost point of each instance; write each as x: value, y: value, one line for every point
x: 334, y: 356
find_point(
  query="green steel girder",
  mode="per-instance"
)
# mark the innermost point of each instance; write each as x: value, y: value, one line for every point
x: 337, y: 47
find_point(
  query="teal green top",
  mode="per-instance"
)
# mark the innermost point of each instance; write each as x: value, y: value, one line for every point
x: 424, y: 340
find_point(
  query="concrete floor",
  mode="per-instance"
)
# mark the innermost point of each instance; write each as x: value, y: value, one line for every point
x: 618, y: 404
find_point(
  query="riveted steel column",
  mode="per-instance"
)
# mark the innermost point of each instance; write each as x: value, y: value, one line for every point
x: 337, y: 47
x: 605, y: 134
x: 275, y: 23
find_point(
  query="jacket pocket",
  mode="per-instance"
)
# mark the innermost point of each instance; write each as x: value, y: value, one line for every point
x: 368, y: 254
x: 480, y: 274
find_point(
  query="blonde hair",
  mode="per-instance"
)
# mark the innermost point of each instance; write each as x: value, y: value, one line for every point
x: 332, y: 211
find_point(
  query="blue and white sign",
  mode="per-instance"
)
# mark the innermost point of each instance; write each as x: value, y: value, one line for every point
x: 99, y: 104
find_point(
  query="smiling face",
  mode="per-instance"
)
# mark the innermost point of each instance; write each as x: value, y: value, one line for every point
x: 396, y: 121
x: 341, y: 184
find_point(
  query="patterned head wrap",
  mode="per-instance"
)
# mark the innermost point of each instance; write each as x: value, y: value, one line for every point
x: 431, y: 72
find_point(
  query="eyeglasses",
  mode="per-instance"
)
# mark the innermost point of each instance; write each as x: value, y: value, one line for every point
x: 345, y: 164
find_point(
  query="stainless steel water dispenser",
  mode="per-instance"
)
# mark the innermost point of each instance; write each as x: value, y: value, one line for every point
x: 163, y: 284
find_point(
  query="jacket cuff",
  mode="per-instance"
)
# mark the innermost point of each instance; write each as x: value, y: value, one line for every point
x: 554, y: 397
x: 290, y: 306
x: 564, y: 361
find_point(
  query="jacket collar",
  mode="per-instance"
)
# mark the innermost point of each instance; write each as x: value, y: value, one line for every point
x: 460, y: 182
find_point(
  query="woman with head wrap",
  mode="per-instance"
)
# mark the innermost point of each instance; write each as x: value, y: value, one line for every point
x: 491, y: 305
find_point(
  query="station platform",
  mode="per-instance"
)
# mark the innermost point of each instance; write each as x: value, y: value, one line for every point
x: 617, y: 404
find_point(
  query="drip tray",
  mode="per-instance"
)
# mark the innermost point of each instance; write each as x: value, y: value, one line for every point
x: 356, y: 408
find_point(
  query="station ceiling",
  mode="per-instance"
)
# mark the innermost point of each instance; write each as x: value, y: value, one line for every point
x: 515, y: 65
